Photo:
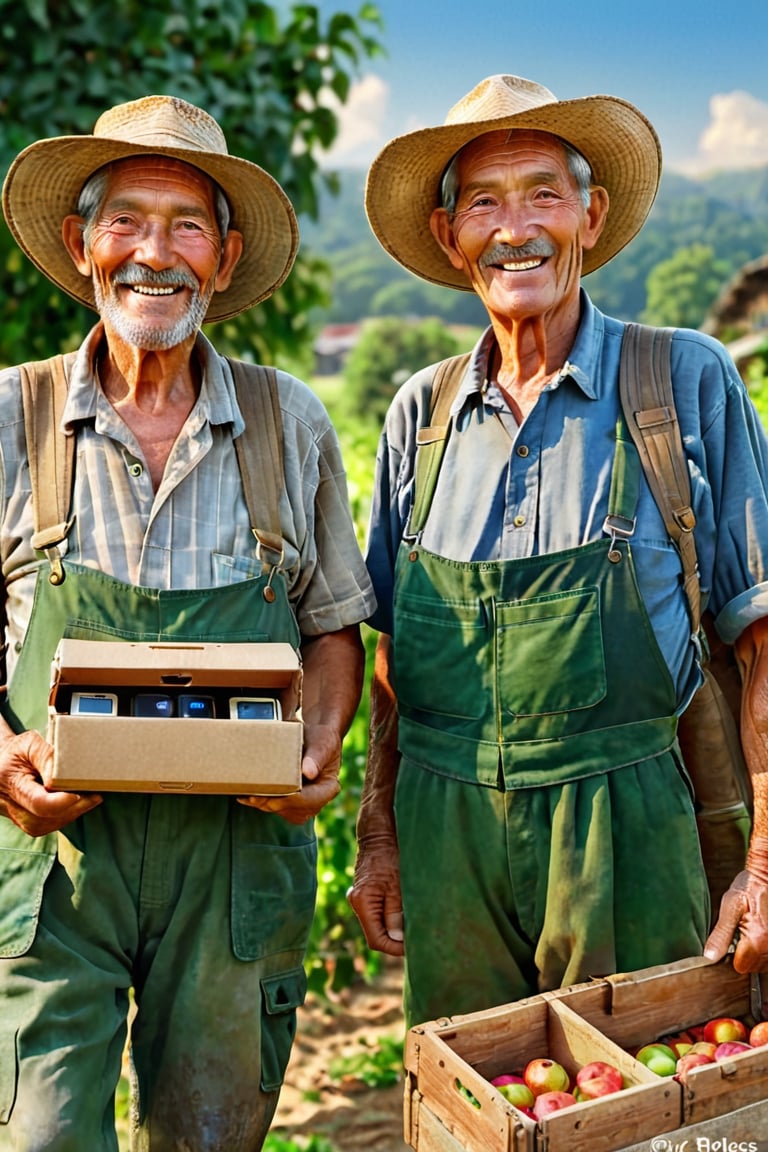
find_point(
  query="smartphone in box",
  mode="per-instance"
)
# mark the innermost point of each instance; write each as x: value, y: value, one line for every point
x: 93, y: 704
x: 200, y: 707
x: 254, y: 708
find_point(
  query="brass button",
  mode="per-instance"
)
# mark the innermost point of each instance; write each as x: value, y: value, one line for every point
x: 136, y: 469
x: 519, y: 521
x: 522, y: 449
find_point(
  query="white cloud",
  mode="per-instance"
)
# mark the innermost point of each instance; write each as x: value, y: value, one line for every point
x: 736, y: 136
x: 361, y: 122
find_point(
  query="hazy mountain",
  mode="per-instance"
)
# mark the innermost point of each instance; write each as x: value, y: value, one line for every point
x: 728, y: 211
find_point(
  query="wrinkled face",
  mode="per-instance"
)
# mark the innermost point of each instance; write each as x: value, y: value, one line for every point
x: 520, y: 223
x: 155, y: 251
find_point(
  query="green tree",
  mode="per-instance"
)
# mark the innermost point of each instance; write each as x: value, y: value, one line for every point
x: 388, y: 352
x: 263, y: 71
x: 682, y: 288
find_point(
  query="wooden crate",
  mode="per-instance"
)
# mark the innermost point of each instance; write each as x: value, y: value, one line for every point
x: 451, y: 1064
x: 638, y: 1007
x: 450, y: 1106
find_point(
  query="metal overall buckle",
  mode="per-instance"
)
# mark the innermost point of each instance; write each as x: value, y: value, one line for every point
x: 618, y: 527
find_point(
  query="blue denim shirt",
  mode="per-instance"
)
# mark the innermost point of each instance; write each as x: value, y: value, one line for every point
x: 506, y: 492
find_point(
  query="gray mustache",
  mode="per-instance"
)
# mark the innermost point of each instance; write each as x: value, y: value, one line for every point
x: 507, y: 253
x: 138, y: 274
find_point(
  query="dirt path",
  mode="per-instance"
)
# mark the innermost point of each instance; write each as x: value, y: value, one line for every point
x: 350, y: 1115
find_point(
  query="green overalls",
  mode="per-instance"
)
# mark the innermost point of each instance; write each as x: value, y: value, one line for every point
x: 201, y: 905
x: 545, y: 825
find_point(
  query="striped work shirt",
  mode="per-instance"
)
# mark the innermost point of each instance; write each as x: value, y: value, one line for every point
x: 194, y: 532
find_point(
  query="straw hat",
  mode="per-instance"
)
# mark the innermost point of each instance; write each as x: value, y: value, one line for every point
x: 44, y: 181
x: 403, y: 184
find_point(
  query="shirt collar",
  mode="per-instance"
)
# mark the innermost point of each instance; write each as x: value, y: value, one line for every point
x: 580, y: 366
x: 216, y: 403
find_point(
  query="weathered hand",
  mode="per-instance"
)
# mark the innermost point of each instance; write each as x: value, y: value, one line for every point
x: 375, y: 894
x: 320, y: 778
x: 24, y: 761
x: 744, y: 908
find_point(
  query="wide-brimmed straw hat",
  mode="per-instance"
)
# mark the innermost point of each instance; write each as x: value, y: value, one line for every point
x: 403, y: 186
x: 44, y: 181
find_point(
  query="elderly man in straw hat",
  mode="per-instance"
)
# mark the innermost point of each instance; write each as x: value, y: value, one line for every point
x: 200, y: 904
x: 522, y: 767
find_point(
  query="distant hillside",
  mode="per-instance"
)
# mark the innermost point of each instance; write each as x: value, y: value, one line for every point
x: 727, y: 211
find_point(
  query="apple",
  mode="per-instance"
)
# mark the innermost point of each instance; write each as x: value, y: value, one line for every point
x: 724, y: 1028
x: 692, y: 1060
x: 597, y: 1079
x: 548, y: 1102
x: 703, y: 1046
x: 680, y: 1042
x: 545, y: 1075
x: 759, y: 1034
x: 659, y: 1058
x: 731, y: 1048
x: 515, y: 1090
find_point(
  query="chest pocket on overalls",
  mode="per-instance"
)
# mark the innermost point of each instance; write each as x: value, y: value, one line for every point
x: 437, y: 641
x: 536, y: 638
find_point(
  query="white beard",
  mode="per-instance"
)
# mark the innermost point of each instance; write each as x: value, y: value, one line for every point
x: 148, y: 336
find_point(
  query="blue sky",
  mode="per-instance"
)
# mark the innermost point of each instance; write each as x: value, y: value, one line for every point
x: 697, y: 69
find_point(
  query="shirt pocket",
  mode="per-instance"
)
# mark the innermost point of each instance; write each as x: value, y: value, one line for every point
x: 228, y: 569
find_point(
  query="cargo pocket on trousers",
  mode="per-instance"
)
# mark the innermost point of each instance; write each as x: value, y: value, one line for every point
x: 8, y: 1074
x: 281, y: 995
x: 21, y: 892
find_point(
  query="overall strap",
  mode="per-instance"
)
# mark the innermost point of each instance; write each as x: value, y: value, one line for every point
x: 645, y: 385
x: 50, y: 453
x: 430, y: 440
x: 260, y: 452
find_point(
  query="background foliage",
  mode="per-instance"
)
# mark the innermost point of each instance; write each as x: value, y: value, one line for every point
x: 264, y: 76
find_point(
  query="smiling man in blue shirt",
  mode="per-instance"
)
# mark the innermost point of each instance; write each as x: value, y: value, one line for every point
x: 526, y: 821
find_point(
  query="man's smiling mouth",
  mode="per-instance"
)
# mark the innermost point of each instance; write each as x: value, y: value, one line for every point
x: 151, y: 290
x: 522, y: 265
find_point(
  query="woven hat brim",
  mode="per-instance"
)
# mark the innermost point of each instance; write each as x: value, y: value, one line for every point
x: 403, y: 185
x: 44, y: 182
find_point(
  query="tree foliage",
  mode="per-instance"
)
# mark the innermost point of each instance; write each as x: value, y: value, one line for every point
x: 682, y: 289
x: 387, y: 353
x: 265, y: 75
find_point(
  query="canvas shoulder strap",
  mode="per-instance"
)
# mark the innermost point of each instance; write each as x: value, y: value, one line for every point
x: 645, y: 385
x: 50, y: 453
x: 430, y: 440
x: 260, y: 450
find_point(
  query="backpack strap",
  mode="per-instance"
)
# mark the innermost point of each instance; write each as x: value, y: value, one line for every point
x: 647, y: 399
x: 430, y: 440
x: 51, y: 454
x: 260, y: 455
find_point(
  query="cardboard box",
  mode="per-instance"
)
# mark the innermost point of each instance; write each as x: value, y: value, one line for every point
x: 450, y: 1106
x: 128, y: 753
